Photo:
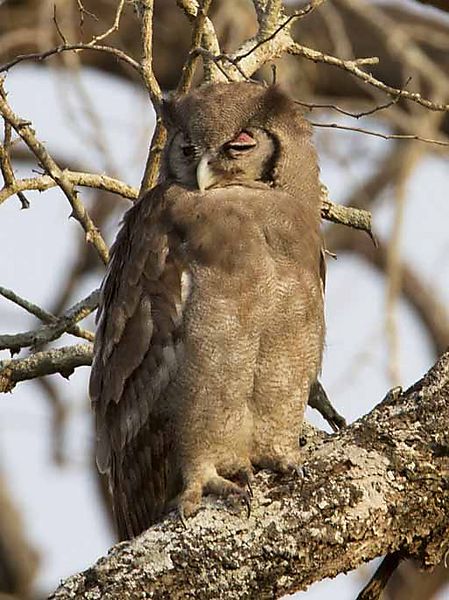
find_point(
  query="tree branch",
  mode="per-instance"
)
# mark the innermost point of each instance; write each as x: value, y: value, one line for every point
x: 380, y: 485
x: 24, y: 130
x: 40, y: 56
x: 91, y: 180
x: 146, y: 9
x: 61, y: 360
x: 441, y: 4
x: 55, y: 328
x: 203, y: 35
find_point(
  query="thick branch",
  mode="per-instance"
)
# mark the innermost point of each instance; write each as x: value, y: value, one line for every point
x: 380, y: 485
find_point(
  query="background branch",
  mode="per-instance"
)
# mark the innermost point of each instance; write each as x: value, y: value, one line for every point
x: 57, y: 326
x: 61, y: 360
x: 24, y: 130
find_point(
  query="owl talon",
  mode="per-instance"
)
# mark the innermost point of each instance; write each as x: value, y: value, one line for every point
x: 299, y: 472
x: 246, y: 497
x: 219, y: 486
x: 182, y: 517
x: 244, y: 477
x: 250, y: 489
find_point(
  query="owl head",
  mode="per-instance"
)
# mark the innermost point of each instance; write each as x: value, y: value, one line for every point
x: 239, y: 133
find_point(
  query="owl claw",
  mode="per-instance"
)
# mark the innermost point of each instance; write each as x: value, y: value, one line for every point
x: 182, y: 517
x: 246, y: 497
x: 299, y: 471
x: 219, y: 486
x: 244, y: 477
x: 250, y: 489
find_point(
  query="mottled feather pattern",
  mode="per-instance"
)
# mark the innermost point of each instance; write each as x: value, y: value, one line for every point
x: 210, y: 327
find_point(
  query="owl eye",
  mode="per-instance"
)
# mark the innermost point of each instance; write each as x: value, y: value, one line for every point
x: 243, y: 142
x: 188, y: 150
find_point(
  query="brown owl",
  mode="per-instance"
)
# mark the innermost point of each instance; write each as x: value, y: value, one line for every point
x: 210, y: 327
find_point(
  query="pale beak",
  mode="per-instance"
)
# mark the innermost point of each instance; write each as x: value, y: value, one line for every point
x: 205, y: 177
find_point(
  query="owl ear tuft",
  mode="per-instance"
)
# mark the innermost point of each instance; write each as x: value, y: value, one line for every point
x: 275, y: 100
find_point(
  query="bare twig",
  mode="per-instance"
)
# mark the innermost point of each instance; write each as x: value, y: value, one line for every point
x: 33, y: 309
x: 91, y: 180
x: 147, y: 8
x: 5, y: 159
x: 352, y: 66
x: 55, y: 328
x: 346, y: 215
x: 65, y: 323
x: 83, y: 11
x: 384, y: 136
x: 27, y: 134
x: 39, y: 56
x: 58, y: 29
x: 154, y: 156
x: 114, y: 27
x: 358, y: 115
x: 267, y: 22
x: 61, y: 360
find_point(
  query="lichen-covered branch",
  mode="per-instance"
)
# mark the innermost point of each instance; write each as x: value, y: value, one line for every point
x: 60, y: 360
x: 346, y: 215
x: 380, y: 485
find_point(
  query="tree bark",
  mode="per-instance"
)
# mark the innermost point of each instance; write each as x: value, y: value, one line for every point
x: 380, y: 485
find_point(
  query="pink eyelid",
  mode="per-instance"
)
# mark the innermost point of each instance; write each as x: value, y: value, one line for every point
x: 243, y: 139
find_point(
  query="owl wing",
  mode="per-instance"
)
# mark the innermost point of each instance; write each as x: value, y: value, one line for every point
x: 136, y: 355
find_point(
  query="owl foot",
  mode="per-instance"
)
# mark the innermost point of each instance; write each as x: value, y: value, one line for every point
x: 285, y: 464
x: 219, y: 486
x: 182, y: 517
x: 190, y: 500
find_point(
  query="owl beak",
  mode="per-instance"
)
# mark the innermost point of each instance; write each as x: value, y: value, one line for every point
x: 205, y: 176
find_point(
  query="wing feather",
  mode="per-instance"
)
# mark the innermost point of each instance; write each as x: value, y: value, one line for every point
x: 136, y: 355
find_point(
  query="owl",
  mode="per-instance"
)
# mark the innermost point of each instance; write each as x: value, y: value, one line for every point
x: 210, y: 325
